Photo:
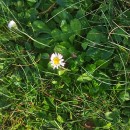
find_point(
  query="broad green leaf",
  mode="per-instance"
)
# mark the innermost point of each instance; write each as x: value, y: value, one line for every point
x: 63, y: 15
x: 65, y: 3
x: 56, y: 34
x: 64, y: 26
x: 91, y: 68
x: 108, y: 115
x: 71, y: 38
x: 1, y: 66
x: 61, y: 72
x: 60, y: 119
x: 126, y: 112
x: 106, y: 54
x: 62, y: 50
x: 95, y: 36
x: 102, y: 63
x: 65, y: 44
x: 97, y: 54
x: 20, y: 4
x: 67, y: 32
x: 45, y: 55
x: 124, y: 96
x: 107, y: 126
x: 54, y: 82
x: 46, y: 104
x: 84, y: 45
x: 119, y: 34
x: 30, y: 14
x: 65, y: 36
x: 40, y: 27
x: 80, y: 13
x: 33, y: 1
x: 43, y: 39
x: 75, y: 26
x: 113, y: 115
x: 84, y: 78
x: 117, y: 66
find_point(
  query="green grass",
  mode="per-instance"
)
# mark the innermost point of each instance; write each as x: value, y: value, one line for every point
x: 91, y: 92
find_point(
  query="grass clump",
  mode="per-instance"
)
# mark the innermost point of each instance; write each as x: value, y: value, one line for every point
x: 90, y: 91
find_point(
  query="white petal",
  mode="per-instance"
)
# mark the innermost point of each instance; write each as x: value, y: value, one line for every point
x: 52, y: 56
x: 62, y: 64
x: 12, y: 24
x: 60, y: 56
x: 56, y: 54
x: 61, y: 60
x: 57, y: 67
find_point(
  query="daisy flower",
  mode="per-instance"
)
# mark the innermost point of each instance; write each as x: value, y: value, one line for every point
x: 12, y: 24
x: 57, y: 60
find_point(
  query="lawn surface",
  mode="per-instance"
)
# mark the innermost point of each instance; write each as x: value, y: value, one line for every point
x: 91, y: 91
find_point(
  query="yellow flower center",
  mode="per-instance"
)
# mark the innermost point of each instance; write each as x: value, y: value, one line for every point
x: 56, y: 60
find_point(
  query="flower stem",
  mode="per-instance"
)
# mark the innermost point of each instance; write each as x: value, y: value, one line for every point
x: 32, y: 38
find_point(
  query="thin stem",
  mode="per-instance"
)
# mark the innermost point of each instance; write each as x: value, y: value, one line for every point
x: 32, y: 38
